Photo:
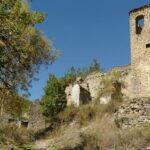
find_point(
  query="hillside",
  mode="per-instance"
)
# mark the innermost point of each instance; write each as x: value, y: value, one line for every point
x: 122, y: 123
x: 95, y: 127
x: 86, y: 108
x: 112, y: 121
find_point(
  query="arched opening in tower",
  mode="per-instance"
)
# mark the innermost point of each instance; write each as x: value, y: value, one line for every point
x: 139, y: 24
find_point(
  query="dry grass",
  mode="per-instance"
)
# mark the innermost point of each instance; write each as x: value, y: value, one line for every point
x: 104, y: 135
x: 86, y: 113
x: 92, y: 127
x: 14, y: 135
x: 99, y: 131
x: 67, y: 115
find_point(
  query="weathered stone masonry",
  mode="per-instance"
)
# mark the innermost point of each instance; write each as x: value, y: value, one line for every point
x: 140, y: 51
x: 36, y: 118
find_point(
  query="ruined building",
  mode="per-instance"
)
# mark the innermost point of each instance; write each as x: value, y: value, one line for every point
x: 76, y: 94
x: 136, y: 77
x: 83, y: 91
x: 140, y: 51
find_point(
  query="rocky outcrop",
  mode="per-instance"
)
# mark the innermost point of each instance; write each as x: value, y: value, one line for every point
x: 133, y: 113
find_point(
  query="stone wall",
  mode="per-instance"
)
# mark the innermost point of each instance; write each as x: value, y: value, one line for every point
x: 77, y: 95
x: 36, y: 118
x: 140, y: 51
x: 88, y: 89
x: 92, y: 83
x: 84, y: 90
x: 8, y: 119
x: 133, y: 113
x: 68, y: 94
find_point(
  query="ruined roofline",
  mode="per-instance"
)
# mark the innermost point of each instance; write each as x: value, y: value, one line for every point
x: 139, y: 8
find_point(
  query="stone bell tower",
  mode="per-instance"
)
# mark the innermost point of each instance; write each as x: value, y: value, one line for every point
x: 140, y: 51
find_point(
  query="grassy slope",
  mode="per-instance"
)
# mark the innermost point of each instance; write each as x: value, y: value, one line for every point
x: 93, y: 127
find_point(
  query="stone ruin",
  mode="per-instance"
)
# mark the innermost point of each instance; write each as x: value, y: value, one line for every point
x: 76, y: 94
x: 8, y: 119
x: 33, y: 120
x: 36, y: 119
x: 83, y: 91
x: 136, y: 77
x: 133, y: 113
x: 134, y: 82
x: 140, y: 51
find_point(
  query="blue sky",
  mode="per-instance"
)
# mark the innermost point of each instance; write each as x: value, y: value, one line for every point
x: 84, y: 30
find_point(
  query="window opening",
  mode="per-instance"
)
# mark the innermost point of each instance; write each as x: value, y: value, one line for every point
x: 139, y: 24
x: 148, y: 45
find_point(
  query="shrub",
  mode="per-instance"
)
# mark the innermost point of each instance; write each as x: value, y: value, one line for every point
x: 68, y: 114
x: 85, y: 114
x: 11, y: 134
x: 105, y: 135
x: 90, y: 141
x: 54, y: 100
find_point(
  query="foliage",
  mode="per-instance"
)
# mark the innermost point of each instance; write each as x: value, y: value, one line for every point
x: 22, y: 47
x: 73, y: 73
x: 54, y: 99
x: 13, y: 134
x: 17, y: 106
x: 13, y: 104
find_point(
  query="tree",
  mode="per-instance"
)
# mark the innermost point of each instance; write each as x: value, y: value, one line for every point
x: 54, y: 99
x: 23, y: 48
x: 94, y: 66
x: 13, y: 104
x: 73, y: 73
x: 70, y: 75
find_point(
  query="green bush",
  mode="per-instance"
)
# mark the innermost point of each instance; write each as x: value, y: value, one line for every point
x: 54, y: 99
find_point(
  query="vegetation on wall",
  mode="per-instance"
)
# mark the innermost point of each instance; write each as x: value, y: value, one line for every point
x: 111, y: 85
